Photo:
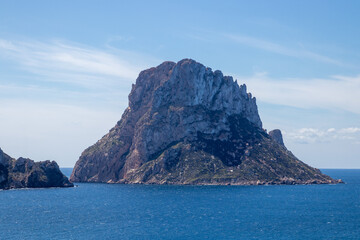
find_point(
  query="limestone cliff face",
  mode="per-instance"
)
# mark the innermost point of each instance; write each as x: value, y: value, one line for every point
x: 186, y: 124
x: 25, y: 173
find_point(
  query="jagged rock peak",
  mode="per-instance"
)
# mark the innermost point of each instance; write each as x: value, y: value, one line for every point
x: 189, y: 83
x: 277, y: 136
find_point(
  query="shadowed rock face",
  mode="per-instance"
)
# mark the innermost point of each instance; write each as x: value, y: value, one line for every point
x: 25, y: 173
x: 186, y: 124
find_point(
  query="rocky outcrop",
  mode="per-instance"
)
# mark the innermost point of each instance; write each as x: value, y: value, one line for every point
x: 25, y: 173
x: 186, y: 124
x: 276, y: 135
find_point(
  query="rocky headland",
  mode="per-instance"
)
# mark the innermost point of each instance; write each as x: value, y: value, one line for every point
x: 187, y: 124
x: 25, y: 173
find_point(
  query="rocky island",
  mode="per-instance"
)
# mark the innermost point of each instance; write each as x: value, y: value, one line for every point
x: 187, y: 124
x: 25, y: 173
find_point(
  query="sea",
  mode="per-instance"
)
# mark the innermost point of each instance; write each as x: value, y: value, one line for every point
x: 115, y: 211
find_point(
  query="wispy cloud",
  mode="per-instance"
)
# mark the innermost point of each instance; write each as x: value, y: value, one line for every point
x: 296, y: 50
x: 337, y: 92
x: 100, y: 99
x: 72, y: 63
x: 70, y: 95
x: 315, y: 135
x: 69, y: 73
x: 280, y: 49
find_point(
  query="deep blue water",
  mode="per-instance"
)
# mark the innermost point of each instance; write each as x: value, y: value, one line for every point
x: 102, y: 211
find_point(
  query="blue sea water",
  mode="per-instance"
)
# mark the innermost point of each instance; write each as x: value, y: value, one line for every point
x: 102, y: 211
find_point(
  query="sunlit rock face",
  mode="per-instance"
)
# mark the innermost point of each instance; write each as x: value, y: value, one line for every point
x: 187, y: 124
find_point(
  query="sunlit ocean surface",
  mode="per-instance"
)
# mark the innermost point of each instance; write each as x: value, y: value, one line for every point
x: 102, y: 211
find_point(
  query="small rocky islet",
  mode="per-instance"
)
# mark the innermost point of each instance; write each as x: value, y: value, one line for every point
x: 25, y: 173
x: 187, y: 124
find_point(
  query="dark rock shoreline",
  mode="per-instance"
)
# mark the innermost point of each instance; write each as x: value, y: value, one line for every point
x: 25, y: 173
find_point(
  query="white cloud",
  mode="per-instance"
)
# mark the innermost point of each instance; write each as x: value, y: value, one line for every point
x: 314, y: 135
x: 331, y: 130
x: 73, y: 63
x: 349, y: 130
x: 66, y: 98
x: 110, y: 99
x: 280, y: 49
x: 59, y: 72
x: 337, y: 92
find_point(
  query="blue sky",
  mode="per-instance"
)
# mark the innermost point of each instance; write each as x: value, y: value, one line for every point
x: 66, y: 68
